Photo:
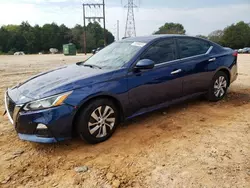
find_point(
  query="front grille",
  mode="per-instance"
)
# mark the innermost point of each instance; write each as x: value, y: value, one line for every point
x: 45, y: 133
x: 11, y: 106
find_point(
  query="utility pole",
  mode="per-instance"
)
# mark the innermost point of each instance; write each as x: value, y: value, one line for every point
x: 104, y: 24
x: 130, y: 30
x: 89, y: 17
x: 84, y: 32
x: 118, y: 28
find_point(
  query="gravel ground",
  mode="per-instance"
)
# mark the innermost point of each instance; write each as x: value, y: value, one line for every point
x: 193, y: 144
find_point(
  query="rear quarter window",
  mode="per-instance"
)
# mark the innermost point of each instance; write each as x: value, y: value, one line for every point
x: 189, y: 47
x: 216, y: 50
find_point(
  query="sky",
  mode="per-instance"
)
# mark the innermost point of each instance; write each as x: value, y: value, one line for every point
x: 197, y: 16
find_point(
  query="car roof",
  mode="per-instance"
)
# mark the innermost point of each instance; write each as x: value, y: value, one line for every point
x: 147, y: 39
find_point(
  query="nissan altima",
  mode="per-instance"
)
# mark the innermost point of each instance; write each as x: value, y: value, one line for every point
x: 125, y: 79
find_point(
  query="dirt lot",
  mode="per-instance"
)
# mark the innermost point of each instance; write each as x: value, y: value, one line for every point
x: 194, y: 144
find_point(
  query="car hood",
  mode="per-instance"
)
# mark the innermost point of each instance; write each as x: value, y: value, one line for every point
x: 60, y: 80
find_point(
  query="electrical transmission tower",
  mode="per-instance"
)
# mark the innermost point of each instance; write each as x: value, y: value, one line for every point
x: 130, y: 23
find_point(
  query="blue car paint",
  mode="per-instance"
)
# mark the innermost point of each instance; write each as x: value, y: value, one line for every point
x: 57, y: 120
x: 35, y: 138
x: 139, y: 85
x: 136, y: 92
x: 61, y: 80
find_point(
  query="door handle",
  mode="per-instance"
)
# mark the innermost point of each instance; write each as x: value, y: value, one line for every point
x: 176, y: 71
x: 212, y: 59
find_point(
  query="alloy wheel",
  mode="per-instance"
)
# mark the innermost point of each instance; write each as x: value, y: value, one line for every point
x: 102, y: 121
x: 220, y: 86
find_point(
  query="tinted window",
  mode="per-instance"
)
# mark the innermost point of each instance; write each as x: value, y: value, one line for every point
x: 216, y: 50
x: 191, y: 47
x: 162, y: 51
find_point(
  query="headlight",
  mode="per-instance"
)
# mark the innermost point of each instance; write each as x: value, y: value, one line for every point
x: 47, y: 102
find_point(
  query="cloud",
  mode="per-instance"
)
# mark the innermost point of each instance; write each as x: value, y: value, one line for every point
x: 196, y: 21
x: 148, y: 20
x: 13, y: 13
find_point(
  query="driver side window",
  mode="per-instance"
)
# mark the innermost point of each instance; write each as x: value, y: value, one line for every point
x: 162, y: 51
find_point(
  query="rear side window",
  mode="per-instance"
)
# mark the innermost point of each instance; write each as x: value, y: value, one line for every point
x: 191, y: 47
x: 216, y: 50
x: 162, y: 51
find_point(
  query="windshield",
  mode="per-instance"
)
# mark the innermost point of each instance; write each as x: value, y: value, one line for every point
x: 115, y: 55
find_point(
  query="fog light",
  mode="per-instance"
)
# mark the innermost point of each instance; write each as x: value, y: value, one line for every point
x: 41, y: 126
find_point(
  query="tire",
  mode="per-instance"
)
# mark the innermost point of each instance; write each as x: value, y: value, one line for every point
x: 97, y: 121
x: 218, y: 87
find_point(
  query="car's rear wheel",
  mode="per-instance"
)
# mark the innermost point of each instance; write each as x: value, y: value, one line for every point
x: 218, y: 87
x: 97, y: 121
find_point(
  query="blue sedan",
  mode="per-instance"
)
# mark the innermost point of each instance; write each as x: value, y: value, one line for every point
x: 124, y: 80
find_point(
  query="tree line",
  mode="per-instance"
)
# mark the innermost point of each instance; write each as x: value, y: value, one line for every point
x: 35, y: 39
x: 235, y: 36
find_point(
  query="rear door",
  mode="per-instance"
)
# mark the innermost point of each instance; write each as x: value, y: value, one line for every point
x: 194, y: 57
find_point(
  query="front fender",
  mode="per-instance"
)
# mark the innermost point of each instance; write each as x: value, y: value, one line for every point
x: 115, y: 89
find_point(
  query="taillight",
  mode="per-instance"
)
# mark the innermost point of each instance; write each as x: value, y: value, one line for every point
x: 235, y: 53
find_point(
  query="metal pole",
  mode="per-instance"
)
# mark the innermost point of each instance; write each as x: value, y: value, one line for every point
x: 84, y: 31
x: 118, y: 27
x: 104, y: 24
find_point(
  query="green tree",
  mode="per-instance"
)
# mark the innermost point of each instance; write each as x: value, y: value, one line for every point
x: 37, y: 44
x: 27, y: 37
x: 35, y: 39
x: 77, y: 37
x: 110, y: 37
x: 95, y: 36
x: 14, y: 39
x: 237, y: 36
x: 65, y: 34
x: 171, y: 28
x: 202, y: 36
x: 50, y: 37
x: 4, y: 37
x: 216, y: 36
x: 90, y: 41
x: 98, y: 33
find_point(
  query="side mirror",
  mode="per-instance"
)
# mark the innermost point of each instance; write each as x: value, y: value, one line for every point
x: 145, y: 64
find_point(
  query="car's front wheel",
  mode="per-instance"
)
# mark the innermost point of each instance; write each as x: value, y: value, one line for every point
x: 218, y: 87
x: 97, y: 121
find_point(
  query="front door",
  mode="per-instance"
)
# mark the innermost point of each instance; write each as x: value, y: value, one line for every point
x: 160, y: 84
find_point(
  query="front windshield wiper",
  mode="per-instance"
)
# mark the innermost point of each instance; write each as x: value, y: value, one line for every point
x: 92, y: 66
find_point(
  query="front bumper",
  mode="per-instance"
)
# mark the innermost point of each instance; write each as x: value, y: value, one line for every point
x: 35, y: 138
x: 58, y: 122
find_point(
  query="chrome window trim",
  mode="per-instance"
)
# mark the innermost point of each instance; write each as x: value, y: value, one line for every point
x: 6, y: 108
x: 208, y: 52
x: 167, y: 62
